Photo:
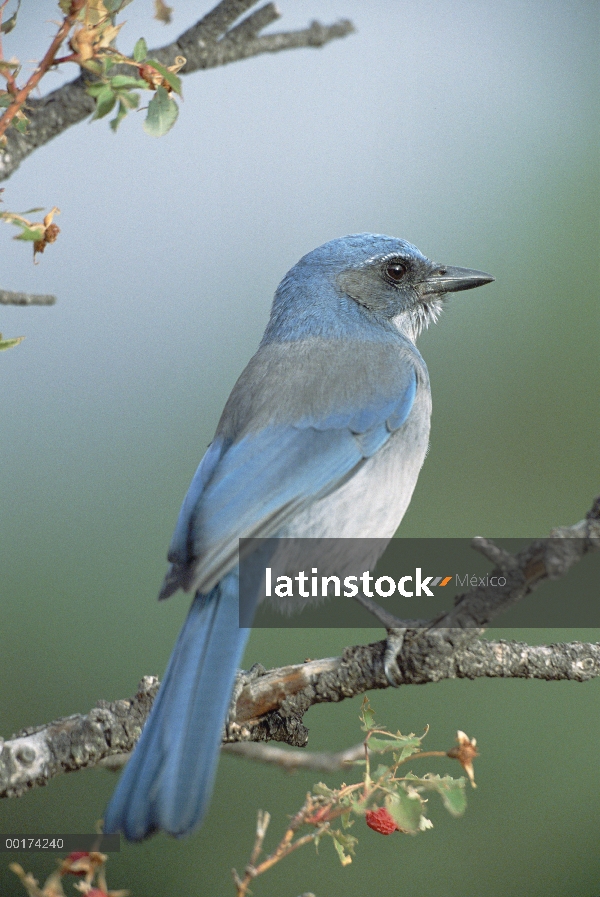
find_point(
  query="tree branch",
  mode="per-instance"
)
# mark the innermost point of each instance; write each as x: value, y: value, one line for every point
x: 7, y: 297
x: 319, y: 761
x: 209, y: 43
x: 271, y: 705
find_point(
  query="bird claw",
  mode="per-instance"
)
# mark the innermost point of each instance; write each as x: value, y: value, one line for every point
x: 242, y: 679
x: 396, y: 630
x: 394, y: 644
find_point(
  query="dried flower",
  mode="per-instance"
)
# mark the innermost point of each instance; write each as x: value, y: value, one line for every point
x: 465, y: 753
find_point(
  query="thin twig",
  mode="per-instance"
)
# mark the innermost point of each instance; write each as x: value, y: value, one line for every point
x: 320, y: 761
x: 498, y: 556
x: 8, y: 297
x: 42, y: 68
x: 286, y: 846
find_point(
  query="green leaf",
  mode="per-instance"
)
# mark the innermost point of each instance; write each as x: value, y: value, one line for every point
x: 8, y: 26
x: 140, y: 51
x: 403, y: 745
x: 94, y: 89
x: 121, y: 113
x: 410, y: 747
x: 9, y: 343
x: 129, y: 100
x: 30, y: 233
x: 346, y: 818
x: 452, y: 791
x: 171, y: 78
x: 344, y: 844
x: 405, y: 809
x: 367, y: 715
x: 360, y: 804
x: 323, y: 790
x: 120, y: 82
x: 162, y: 114
x: 21, y: 125
x: 105, y: 101
x: 112, y: 6
x: 380, y: 745
x: 5, y: 100
x: 93, y: 65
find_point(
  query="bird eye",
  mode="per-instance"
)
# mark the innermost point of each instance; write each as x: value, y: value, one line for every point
x: 396, y: 271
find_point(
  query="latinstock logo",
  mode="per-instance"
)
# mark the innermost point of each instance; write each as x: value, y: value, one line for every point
x: 333, y: 583
x: 385, y: 586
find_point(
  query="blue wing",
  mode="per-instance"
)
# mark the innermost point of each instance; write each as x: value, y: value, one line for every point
x: 251, y: 487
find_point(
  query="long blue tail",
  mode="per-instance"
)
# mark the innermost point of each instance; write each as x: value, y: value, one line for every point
x: 168, y: 781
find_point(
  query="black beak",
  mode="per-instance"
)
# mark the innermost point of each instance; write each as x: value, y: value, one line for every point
x: 445, y: 279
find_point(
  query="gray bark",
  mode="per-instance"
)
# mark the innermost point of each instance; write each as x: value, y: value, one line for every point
x: 214, y: 40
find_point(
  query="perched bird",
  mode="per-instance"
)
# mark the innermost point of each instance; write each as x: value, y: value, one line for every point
x: 323, y: 435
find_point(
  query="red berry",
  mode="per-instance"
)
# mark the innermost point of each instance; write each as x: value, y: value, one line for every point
x: 381, y: 821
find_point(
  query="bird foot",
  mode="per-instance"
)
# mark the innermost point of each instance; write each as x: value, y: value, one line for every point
x: 242, y: 679
x: 394, y: 644
x: 396, y: 630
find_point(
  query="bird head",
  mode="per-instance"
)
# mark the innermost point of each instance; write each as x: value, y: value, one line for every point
x: 384, y: 279
x: 396, y: 281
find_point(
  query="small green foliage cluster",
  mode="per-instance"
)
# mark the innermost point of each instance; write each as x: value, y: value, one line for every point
x: 386, y: 799
x: 122, y: 90
x: 89, y: 31
x: 402, y: 796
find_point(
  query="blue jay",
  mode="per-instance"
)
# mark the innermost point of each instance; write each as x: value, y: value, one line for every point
x: 323, y: 435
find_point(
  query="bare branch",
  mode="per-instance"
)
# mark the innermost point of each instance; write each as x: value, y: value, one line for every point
x: 215, y: 23
x: 320, y: 761
x: 205, y: 45
x: 498, y: 556
x: 254, y: 23
x: 542, y: 560
x: 271, y: 705
x: 7, y: 297
x: 36, y: 755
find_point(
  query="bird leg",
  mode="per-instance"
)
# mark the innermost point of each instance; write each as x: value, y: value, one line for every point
x: 396, y: 630
x: 242, y: 679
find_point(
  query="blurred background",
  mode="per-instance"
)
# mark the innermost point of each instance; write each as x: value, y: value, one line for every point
x: 470, y: 129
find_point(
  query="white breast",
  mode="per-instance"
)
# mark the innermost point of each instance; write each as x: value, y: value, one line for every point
x: 373, y: 502
x: 355, y: 523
